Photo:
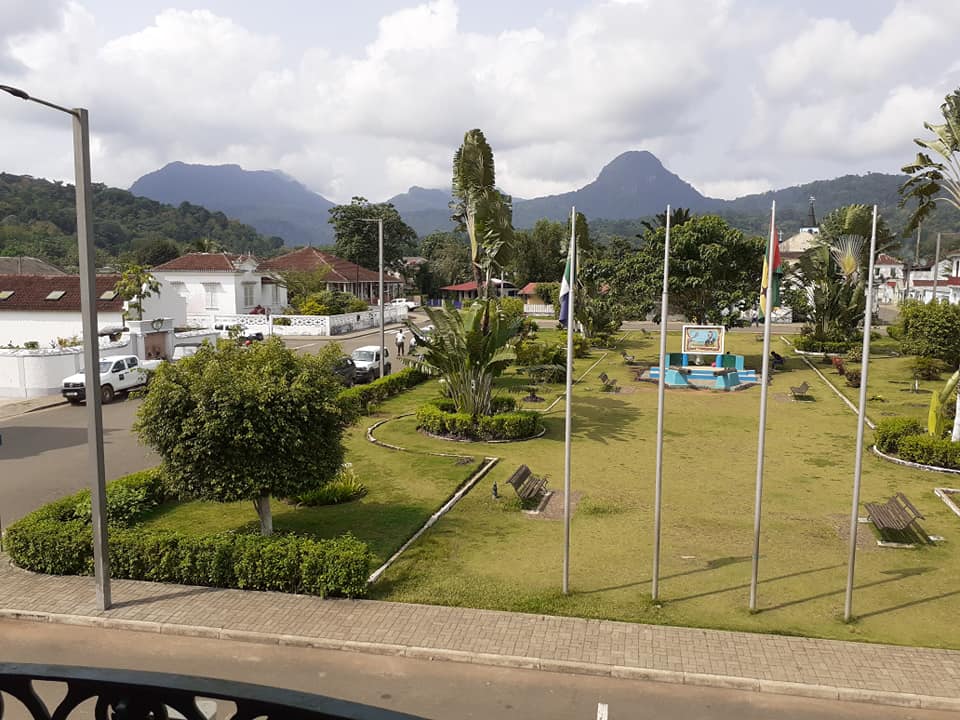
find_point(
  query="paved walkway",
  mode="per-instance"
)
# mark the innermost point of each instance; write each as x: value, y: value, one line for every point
x: 766, y: 663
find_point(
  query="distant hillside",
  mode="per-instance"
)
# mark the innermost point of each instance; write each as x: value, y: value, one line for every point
x: 272, y: 202
x: 425, y: 210
x: 38, y: 218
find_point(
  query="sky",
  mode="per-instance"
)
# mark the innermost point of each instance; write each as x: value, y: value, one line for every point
x: 373, y: 96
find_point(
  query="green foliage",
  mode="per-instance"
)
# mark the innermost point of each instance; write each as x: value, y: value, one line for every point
x: 890, y: 431
x: 598, y: 314
x: 128, y: 498
x: 926, y: 368
x: 448, y: 262
x: 41, y: 222
x: 549, y: 292
x: 940, y: 406
x: 538, y: 253
x: 235, y: 423
x: 809, y: 343
x: 480, y: 210
x: 712, y: 267
x: 54, y: 540
x: 511, y: 309
x: 343, y: 488
x: 852, y: 376
x: 930, y: 450
x: 300, y: 284
x: 465, y: 353
x: 538, y: 352
x: 362, y: 399
x: 930, y: 330
x: 330, y: 302
x: 514, y: 425
x: 357, y: 239
x: 934, y: 180
x: 581, y: 346
x: 135, y: 285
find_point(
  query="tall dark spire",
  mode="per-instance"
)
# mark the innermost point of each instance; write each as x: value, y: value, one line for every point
x: 811, y: 216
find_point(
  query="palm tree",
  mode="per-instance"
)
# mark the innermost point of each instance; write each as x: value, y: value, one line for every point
x: 464, y: 354
x: 479, y: 208
x: 678, y: 216
x: 928, y: 177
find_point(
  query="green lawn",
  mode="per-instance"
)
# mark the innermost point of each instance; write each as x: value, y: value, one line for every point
x: 486, y: 553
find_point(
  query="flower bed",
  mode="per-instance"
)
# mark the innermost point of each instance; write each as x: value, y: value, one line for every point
x: 907, y: 439
x: 440, y: 418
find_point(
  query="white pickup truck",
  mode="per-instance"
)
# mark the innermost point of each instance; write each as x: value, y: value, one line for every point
x: 118, y: 373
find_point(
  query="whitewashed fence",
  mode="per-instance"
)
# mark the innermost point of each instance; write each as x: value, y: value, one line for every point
x: 535, y: 309
x: 304, y: 325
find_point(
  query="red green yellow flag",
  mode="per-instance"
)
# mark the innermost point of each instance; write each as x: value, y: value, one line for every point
x: 777, y: 272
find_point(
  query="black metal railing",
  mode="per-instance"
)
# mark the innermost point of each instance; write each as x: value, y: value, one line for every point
x: 136, y: 695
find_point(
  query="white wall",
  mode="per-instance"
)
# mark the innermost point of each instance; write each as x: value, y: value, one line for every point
x: 18, y: 327
x: 168, y: 304
x: 33, y: 373
x: 229, y: 297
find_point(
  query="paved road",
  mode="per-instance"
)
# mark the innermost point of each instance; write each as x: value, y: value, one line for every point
x: 420, y: 687
x: 44, y: 453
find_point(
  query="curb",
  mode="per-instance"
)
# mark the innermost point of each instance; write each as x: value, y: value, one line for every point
x: 17, y: 411
x: 777, y: 687
x: 911, y: 464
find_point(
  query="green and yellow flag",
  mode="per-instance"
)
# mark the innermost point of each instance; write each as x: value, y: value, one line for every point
x: 777, y: 273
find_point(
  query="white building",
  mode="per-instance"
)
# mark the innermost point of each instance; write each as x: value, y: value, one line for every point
x: 45, y: 309
x: 218, y: 284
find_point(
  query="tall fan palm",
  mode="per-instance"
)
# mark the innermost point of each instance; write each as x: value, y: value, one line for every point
x: 464, y: 355
x: 928, y: 177
x: 479, y: 209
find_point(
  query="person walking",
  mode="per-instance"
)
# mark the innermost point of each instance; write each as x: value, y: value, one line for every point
x: 400, y: 339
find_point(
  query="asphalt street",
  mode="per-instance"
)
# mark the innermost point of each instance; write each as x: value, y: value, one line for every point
x: 44, y: 453
x: 420, y: 687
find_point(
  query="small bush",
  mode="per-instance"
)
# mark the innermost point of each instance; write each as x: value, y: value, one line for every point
x: 362, y: 399
x: 513, y: 425
x: 853, y: 378
x: 281, y: 321
x: 128, y: 497
x: 581, y: 346
x: 890, y: 431
x: 343, y: 488
x: 808, y: 343
x: 928, y: 450
x: 854, y: 355
x: 927, y: 368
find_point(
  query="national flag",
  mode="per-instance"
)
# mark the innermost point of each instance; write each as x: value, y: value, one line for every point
x: 777, y: 273
x: 565, y: 295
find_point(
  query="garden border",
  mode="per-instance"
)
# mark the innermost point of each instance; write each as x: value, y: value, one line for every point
x: 911, y: 464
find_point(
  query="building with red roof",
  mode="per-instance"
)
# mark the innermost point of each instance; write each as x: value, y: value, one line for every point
x: 340, y: 275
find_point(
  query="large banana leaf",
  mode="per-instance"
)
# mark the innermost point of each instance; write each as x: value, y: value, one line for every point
x: 936, y: 416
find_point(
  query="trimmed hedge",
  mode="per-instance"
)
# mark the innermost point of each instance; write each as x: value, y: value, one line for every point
x: 57, y: 539
x: 929, y: 450
x: 807, y: 343
x: 363, y: 398
x: 439, y: 419
x: 890, y: 431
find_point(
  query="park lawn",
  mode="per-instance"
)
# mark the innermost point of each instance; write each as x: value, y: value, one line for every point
x: 404, y: 490
x: 486, y: 553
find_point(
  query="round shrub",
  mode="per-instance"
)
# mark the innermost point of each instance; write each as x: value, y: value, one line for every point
x: 927, y: 368
x: 890, y: 431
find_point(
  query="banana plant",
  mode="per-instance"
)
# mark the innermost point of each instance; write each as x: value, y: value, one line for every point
x: 936, y: 417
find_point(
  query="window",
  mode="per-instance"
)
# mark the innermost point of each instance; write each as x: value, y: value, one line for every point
x: 248, y: 289
x: 276, y: 294
x: 6, y: 294
x: 131, y: 363
x: 117, y: 366
x: 109, y: 295
x: 211, y: 290
x: 179, y: 287
x: 55, y: 295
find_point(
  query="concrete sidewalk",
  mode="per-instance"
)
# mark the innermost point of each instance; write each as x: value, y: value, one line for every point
x: 911, y: 677
x: 11, y: 407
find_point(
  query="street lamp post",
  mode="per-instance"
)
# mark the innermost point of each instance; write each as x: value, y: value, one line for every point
x: 91, y: 348
x: 379, y: 222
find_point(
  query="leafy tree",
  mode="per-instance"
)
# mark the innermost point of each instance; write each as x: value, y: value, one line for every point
x: 155, y: 251
x: 466, y: 355
x: 330, y: 302
x: 712, y: 268
x: 930, y: 330
x: 448, y: 262
x: 479, y: 209
x: 357, y: 239
x: 932, y: 180
x: 300, y: 284
x: 244, y: 423
x: 538, y: 255
x: 678, y: 216
x: 135, y: 285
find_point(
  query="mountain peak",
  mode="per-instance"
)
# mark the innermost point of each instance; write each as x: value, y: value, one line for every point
x: 632, y: 163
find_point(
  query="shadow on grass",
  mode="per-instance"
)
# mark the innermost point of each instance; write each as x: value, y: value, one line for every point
x: 711, y: 565
x: 602, y: 418
x: 912, y: 603
x: 741, y: 586
x: 897, y: 575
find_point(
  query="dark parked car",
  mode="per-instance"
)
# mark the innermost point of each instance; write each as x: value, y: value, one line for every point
x: 346, y: 371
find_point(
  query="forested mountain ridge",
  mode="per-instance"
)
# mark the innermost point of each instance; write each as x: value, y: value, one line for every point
x: 38, y: 218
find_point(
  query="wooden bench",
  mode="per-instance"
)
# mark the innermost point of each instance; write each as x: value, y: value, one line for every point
x: 527, y: 484
x: 628, y: 359
x: 897, y: 513
x: 802, y: 391
x: 609, y: 385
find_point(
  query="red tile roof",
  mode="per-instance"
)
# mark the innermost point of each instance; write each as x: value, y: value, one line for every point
x: 309, y: 259
x: 884, y: 259
x: 462, y: 287
x: 30, y: 292
x: 529, y: 289
x: 940, y: 283
x: 202, y: 262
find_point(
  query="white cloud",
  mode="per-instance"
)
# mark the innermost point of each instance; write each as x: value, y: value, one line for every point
x: 708, y: 86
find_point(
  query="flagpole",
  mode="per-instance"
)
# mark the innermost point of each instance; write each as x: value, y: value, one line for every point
x: 764, y: 386
x: 571, y: 322
x: 661, y: 385
x: 858, y: 462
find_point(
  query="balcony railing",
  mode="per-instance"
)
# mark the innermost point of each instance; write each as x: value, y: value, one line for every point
x: 136, y: 695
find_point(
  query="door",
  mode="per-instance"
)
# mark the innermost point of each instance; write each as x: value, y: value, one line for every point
x: 154, y: 345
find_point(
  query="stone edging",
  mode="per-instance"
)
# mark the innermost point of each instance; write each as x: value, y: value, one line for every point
x: 914, y: 465
x: 491, y: 442
x: 777, y: 687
